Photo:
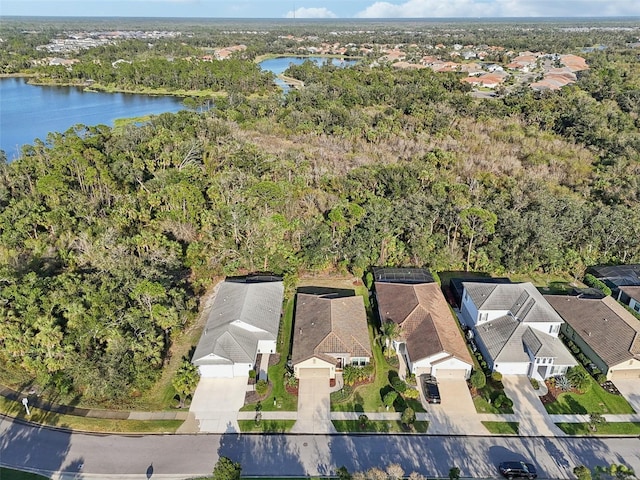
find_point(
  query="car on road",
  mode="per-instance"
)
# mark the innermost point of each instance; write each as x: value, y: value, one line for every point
x: 512, y: 470
x: 430, y: 388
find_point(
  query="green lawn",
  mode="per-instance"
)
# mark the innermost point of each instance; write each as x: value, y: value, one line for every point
x: 266, y: 426
x: 594, y: 400
x: 502, y: 428
x: 549, y: 283
x: 379, y: 426
x: 609, y: 428
x: 8, y: 474
x: 286, y: 402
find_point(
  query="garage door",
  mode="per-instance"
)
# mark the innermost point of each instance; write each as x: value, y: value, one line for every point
x: 450, y: 373
x: 624, y: 374
x: 216, y: 371
x: 314, y: 373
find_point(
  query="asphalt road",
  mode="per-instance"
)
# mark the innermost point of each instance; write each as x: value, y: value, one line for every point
x: 155, y: 456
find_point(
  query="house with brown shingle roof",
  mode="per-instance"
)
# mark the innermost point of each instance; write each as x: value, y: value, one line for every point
x: 605, y: 332
x: 330, y: 332
x: 429, y: 341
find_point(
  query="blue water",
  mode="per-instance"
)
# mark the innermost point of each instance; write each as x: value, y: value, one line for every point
x: 280, y: 64
x: 28, y: 112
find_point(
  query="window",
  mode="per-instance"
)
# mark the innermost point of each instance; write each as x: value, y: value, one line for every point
x: 636, y: 307
x: 554, y: 328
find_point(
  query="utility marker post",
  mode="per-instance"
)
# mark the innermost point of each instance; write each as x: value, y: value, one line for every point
x: 25, y: 402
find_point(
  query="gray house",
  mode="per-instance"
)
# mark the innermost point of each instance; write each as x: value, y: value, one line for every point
x: 243, y: 323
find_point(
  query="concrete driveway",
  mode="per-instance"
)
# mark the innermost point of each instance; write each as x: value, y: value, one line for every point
x: 457, y: 413
x: 630, y: 389
x: 314, y: 411
x: 216, y: 403
x: 527, y: 407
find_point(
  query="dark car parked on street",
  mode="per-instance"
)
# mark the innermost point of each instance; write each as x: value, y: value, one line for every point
x: 512, y: 470
x: 431, y: 390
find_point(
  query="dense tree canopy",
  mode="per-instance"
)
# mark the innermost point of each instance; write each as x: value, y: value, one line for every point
x: 108, y: 236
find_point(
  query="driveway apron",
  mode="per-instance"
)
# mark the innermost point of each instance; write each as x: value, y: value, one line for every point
x: 216, y: 403
x: 314, y: 412
x: 630, y: 390
x: 457, y: 413
x: 534, y: 419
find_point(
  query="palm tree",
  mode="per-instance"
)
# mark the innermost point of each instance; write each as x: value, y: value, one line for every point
x: 389, y: 331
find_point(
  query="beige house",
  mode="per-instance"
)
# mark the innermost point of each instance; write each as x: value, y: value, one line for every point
x: 605, y: 332
x: 330, y: 332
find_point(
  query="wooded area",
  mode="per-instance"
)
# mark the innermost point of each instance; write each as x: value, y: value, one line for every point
x: 108, y: 236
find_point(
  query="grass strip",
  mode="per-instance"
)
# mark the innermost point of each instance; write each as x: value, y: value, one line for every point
x: 379, y: 426
x: 89, y: 424
x: 502, y: 428
x: 266, y: 426
x: 610, y: 428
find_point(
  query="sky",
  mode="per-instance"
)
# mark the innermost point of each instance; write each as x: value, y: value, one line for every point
x: 321, y: 8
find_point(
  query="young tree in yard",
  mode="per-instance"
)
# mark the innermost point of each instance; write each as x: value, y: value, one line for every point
x: 476, y: 222
x: 454, y: 473
x: 578, y: 377
x: 596, y: 419
x: 408, y: 417
x: 389, y: 332
x: 478, y: 379
x: 390, y: 398
x: 185, y: 381
x: 226, y: 469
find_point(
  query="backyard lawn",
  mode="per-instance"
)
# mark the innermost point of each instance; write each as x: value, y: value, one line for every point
x: 594, y: 400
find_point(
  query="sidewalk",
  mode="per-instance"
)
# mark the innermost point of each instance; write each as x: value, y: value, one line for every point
x: 190, y: 425
x: 35, y: 401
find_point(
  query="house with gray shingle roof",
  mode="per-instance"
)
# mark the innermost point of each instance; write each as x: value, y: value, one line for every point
x: 515, y: 328
x: 330, y: 332
x: 630, y: 295
x: 430, y: 340
x: 243, y: 322
x: 605, y: 332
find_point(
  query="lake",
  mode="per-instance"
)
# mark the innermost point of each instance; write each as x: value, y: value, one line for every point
x: 280, y: 64
x: 28, y: 111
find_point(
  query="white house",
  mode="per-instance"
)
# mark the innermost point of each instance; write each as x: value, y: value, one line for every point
x: 243, y: 323
x: 515, y: 328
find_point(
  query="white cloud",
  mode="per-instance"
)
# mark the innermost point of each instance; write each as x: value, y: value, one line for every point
x: 499, y: 8
x: 311, y: 13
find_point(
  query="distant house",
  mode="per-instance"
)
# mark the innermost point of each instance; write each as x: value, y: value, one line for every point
x: 430, y: 340
x: 630, y: 295
x: 515, y: 328
x: 605, y: 332
x: 243, y: 323
x: 616, y: 276
x: 330, y: 332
